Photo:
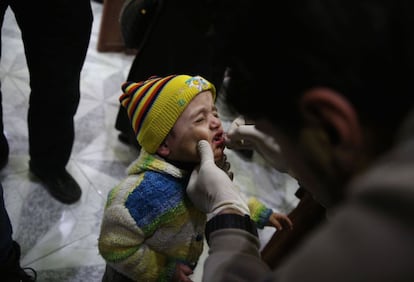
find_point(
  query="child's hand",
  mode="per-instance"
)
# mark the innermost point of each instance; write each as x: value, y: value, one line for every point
x: 182, y: 271
x: 280, y: 221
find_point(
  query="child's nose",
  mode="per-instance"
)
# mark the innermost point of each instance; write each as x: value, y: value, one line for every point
x: 215, y: 121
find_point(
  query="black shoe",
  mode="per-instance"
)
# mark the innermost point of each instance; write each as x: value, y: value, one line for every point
x: 62, y: 186
x: 12, y: 271
x: 4, y: 151
x: 24, y: 275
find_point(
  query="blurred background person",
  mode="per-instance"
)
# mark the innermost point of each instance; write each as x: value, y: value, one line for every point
x: 56, y: 36
x: 179, y: 42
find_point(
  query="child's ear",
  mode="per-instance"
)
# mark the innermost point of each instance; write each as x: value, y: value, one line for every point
x: 163, y: 150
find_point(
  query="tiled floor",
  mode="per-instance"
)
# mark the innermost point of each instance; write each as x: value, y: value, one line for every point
x: 60, y: 241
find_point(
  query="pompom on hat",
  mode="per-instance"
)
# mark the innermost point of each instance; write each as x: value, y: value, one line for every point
x: 154, y: 105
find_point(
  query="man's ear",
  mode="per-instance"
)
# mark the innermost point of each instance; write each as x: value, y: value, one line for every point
x: 336, y: 114
x: 163, y: 150
x: 332, y: 128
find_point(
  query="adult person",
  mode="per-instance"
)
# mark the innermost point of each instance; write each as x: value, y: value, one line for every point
x: 341, y: 77
x: 56, y: 36
x: 179, y: 42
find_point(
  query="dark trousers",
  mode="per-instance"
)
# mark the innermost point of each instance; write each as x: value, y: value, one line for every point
x: 10, y: 269
x: 56, y: 36
x: 6, y: 241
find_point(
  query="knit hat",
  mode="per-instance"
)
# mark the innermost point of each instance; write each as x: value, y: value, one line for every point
x: 154, y: 105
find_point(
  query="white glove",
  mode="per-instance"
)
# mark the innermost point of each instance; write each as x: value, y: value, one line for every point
x: 242, y: 136
x: 210, y: 188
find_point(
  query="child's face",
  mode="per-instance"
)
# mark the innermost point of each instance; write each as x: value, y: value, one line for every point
x: 198, y: 121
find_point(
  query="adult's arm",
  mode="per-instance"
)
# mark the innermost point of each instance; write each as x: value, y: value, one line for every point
x: 369, y: 237
x: 362, y: 241
x: 234, y: 256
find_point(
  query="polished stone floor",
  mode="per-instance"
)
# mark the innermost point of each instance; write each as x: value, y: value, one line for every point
x: 60, y: 241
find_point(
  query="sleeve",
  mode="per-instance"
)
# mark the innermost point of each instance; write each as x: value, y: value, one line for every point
x: 357, y: 237
x: 234, y: 256
x: 259, y: 213
x: 121, y: 243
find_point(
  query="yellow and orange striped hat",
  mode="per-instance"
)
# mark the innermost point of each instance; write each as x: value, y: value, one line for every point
x: 154, y: 105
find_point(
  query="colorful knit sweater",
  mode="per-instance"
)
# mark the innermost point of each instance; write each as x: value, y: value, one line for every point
x: 149, y: 223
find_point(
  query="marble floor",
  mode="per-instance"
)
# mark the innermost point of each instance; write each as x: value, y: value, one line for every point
x: 60, y: 241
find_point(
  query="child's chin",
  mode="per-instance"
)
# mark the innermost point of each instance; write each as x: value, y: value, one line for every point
x: 218, y: 154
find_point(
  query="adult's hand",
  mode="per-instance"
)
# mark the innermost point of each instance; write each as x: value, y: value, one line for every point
x: 245, y: 136
x: 210, y: 188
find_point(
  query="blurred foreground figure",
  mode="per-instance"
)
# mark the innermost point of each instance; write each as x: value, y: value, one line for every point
x: 341, y: 79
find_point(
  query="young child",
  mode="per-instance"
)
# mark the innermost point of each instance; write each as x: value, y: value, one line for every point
x: 150, y: 230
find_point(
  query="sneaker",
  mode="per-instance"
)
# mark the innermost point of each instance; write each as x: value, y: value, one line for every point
x: 4, y: 151
x: 61, y: 186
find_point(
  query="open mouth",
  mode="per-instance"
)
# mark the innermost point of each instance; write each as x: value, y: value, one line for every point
x: 218, y: 139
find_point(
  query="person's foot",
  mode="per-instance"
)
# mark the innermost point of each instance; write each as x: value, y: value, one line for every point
x: 27, y: 274
x: 61, y: 186
x: 4, y: 151
x: 11, y: 271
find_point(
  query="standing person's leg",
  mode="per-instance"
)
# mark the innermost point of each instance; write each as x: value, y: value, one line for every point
x: 4, y: 145
x: 126, y: 133
x: 6, y: 241
x: 56, y: 36
x: 10, y: 269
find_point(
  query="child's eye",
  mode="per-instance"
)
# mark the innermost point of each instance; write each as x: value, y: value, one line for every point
x: 200, y: 119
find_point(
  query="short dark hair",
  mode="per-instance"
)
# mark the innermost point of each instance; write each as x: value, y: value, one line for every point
x: 364, y: 49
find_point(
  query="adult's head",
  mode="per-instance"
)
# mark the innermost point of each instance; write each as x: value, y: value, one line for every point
x: 169, y: 115
x: 330, y: 79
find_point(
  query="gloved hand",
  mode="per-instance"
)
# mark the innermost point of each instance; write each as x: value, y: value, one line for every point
x: 242, y: 136
x: 210, y: 188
